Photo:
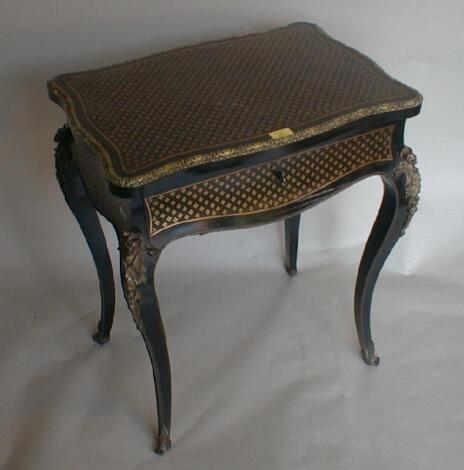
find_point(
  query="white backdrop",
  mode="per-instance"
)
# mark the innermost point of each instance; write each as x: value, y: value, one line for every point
x: 266, y: 372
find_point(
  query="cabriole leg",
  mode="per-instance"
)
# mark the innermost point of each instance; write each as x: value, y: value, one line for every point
x: 138, y: 262
x: 292, y: 225
x: 81, y: 206
x: 401, y: 196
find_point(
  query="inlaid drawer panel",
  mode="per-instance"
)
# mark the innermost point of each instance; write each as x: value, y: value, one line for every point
x: 268, y: 185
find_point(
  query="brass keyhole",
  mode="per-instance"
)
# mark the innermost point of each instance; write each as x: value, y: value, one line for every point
x: 280, y: 175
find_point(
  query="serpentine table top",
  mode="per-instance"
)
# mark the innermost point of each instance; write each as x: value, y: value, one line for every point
x: 217, y: 100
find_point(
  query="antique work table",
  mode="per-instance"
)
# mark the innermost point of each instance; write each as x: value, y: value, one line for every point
x: 224, y: 135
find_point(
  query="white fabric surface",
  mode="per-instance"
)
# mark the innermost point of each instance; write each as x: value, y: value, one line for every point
x: 266, y: 369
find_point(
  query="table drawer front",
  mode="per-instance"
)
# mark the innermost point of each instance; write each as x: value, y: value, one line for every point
x: 268, y: 185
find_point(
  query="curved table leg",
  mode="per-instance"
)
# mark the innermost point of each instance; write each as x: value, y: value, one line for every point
x: 292, y: 225
x: 78, y: 201
x: 138, y: 262
x: 401, y: 190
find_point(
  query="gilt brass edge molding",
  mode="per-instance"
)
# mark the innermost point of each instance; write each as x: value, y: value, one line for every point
x: 223, y: 154
x: 412, y: 183
x: 323, y: 187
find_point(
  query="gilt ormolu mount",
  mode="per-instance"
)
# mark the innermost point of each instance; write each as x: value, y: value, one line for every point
x: 223, y: 135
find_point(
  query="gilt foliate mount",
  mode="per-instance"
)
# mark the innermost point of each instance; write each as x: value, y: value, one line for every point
x: 407, y: 168
x: 134, y: 247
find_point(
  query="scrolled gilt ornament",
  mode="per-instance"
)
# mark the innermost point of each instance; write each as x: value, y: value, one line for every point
x: 133, y: 249
x: 412, y: 185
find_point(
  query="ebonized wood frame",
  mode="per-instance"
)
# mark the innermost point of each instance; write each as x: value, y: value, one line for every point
x: 140, y: 253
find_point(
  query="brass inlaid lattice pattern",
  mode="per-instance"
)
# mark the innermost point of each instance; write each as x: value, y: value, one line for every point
x: 217, y: 100
x: 269, y: 185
